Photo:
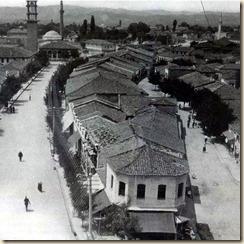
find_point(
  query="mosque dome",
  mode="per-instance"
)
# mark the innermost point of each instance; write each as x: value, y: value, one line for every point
x: 52, y: 36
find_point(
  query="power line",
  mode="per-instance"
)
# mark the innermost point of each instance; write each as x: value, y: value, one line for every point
x: 205, y: 13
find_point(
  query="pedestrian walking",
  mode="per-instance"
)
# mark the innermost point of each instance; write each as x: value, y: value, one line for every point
x: 193, y: 123
x: 39, y: 186
x: 29, y: 97
x: 204, y: 148
x: 26, y: 202
x: 13, y: 109
x: 20, y: 155
x: 188, y: 123
x: 205, y: 139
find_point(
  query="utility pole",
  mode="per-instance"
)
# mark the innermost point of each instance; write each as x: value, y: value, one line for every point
x: 89, y: 177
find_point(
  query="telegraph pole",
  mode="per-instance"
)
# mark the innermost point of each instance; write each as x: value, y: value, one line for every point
x: 90, y: 200
x: 89, y: 177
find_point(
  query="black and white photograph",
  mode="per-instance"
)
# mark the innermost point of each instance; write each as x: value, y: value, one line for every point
x: 120, y: 120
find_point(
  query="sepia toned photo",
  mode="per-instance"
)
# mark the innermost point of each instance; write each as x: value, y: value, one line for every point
x: 120, y: 120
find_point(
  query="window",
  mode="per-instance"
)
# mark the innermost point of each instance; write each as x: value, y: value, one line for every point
x: 141, y: 191
x: 180, y: 189
x: 112, y: 181
x: 161, y: 192
x: 71, y: 129
x: 121, y: 188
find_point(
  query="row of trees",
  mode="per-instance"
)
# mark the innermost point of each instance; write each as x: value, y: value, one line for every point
x: 12, y: 84
x: 214, y: 114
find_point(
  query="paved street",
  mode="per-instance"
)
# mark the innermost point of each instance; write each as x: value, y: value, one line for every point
x: 26, y: 130
x: 218, y: 182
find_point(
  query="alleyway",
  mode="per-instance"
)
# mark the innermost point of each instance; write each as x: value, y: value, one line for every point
x: 26, y: 130
x: 218, y: 183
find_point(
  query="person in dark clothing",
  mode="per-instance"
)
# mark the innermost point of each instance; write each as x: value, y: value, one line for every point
x: 13, y: 109
x: 204, y: 148
x: 39, y: 186
x: 20, y: 155
x: 188, y: 123
x: 26, y: 202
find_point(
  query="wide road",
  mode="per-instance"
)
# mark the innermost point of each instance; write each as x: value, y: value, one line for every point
x: 217, y: 178
x: 26, y: 130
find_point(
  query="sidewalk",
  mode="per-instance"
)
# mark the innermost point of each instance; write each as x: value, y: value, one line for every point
x: 24, y: 86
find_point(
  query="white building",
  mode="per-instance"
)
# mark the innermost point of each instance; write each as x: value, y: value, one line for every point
x: 98, y: 46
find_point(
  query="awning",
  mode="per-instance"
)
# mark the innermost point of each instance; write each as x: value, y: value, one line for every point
x: 67, y: 119
x: 181, y: 219
x: 155, y: 222
x: 100, y: 202
x: 229, y: 135
x: 73, y: 139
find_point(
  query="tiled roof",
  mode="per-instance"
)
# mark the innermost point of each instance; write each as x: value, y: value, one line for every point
x: 227, y: 92
x: 131, y: 104
x: 212, y: 86
x: 102, y: 130
x: 118, y: 69
x: 141, y: 57
x: 195, y: 79
x: 14, y: 52
x: 129, y: 62
x: 141, y: 51
x: 97, y: 108
x: 146, y: 161
x: 230, y: 67
x: 59, y: 45
x: 17, y: 31
x: 100, y: 201
x: 99, y: 42
x: 159, y: 127
x: 205, y: 68
x: 100, y: 82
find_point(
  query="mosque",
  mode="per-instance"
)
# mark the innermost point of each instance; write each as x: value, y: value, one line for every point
x: 26, y: 40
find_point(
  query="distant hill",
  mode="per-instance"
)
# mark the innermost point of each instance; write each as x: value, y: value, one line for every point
x: 109, y: 16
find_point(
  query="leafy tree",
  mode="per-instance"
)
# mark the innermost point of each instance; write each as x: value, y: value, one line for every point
x: 118, y: 221
x: 92, y: 24
x: 83, y: 29
x: 212, y: 112
x: 184, y: 24
x: 154, y: 76
x: 174, y: 25
x: 138, y: 29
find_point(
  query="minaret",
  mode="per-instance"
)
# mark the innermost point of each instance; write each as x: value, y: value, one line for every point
x: 219, y: 27
x: 61, y: 24
x: 32, y: 39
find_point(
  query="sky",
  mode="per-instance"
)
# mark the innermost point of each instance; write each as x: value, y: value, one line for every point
x: 172, y: 5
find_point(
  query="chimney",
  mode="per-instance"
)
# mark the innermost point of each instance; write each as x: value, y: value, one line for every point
x: 61, y: 24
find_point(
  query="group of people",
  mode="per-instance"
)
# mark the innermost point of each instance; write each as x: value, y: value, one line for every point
x: 11, y: 109
x: 39, y: 185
